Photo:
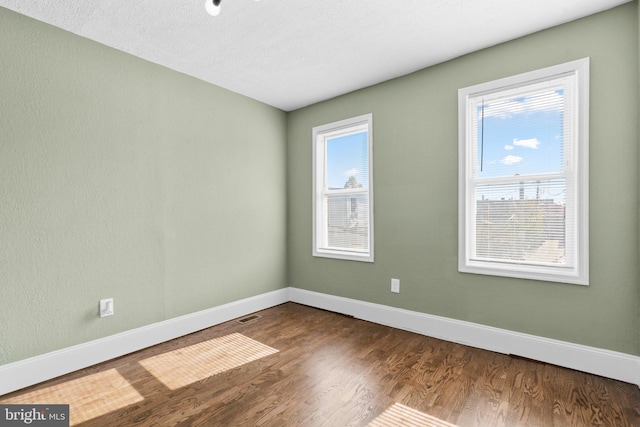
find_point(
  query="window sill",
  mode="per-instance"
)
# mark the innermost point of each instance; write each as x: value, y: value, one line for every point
x: 546, y: 274
x: 344, y: 255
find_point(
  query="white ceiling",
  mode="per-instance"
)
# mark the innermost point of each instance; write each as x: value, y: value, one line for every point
x: 292, y: 53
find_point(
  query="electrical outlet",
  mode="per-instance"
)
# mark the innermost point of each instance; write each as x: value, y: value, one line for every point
x: 395, y: 286
x: 106, y: 307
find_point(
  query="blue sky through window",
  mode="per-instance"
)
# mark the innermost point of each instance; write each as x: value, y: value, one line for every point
x: 348, y: 156
x: 521, y: 135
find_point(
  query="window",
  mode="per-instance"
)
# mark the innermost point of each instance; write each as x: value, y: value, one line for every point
x: 523, y: 178
x: 343, y: 190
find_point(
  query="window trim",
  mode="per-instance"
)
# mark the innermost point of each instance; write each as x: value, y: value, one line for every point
x: 578, y: 274
x: 319, y: 136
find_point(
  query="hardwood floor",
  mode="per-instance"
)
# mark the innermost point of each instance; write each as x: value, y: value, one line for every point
x: 299, y: 366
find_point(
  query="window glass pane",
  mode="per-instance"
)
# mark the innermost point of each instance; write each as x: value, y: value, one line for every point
x: 348, y: 221
x: 522, y: 222
x: 348, y: 161
x: 523, y: 175
x: 520, y: 134
x: 343, y: 199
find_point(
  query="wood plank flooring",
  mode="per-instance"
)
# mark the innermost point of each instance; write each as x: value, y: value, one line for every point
x: 324, y: 369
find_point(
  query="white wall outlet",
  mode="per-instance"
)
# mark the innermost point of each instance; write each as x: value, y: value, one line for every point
x: 106, y: 307
x: 395, y: 286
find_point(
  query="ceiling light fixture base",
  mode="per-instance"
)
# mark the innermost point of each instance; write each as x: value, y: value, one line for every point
x: 213, y: 7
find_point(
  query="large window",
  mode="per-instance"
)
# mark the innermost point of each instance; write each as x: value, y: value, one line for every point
x: 523, y: 179
x: 343, y: 190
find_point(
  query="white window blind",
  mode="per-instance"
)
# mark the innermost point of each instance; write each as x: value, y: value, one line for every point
x: 523, y: 177
x: 342, y: 183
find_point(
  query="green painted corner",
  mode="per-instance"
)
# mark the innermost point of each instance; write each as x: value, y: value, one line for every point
x: 415, y: 132
x: 120, y: 178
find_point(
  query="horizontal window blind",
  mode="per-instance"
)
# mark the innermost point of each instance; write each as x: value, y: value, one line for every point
x: 523, y: 174
x: 342, y: 181
x: 522, y: 222
x: 348, y: 221
x: 519, y: 134
x: 346, y: 200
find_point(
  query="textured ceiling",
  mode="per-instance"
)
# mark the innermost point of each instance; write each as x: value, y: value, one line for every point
x: 292, y: 53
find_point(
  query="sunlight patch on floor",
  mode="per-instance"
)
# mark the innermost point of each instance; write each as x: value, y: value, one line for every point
x: 88, y: 397
x: 400, y: 415
x: 187, y: 365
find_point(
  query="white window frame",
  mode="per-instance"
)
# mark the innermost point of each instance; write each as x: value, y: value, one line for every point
x: 576, y: 167
x: 320, y: 135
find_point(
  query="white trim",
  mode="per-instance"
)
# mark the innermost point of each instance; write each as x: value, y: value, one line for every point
x: 576, y: 75
x: 34, y: 370
x: 319, y: 233
x: 607, y: 363
x: 611, y: 364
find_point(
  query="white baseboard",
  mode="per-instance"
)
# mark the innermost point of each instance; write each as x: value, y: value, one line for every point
x: 21, y: 374
x: 606, y: 363
x: 611, y: 364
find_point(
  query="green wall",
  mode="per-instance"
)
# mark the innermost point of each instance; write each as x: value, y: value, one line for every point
x: 415, y: 133
x: 120, y: 178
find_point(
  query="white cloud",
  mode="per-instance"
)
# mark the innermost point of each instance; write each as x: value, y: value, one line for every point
x: 351, y: 172
x: 510, y: 160
x: 508, y: 147
x: 529, y: 143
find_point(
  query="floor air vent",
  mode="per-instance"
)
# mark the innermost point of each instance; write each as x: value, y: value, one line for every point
x: 248, y: 319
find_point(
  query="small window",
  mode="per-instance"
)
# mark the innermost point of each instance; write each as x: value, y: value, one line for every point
x: 343, y: 190
x: 523, y: 179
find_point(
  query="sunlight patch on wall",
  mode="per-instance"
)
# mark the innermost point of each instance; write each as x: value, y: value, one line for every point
x: 400, y: 415
x: 187, y: 365
x: 88, y: 397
